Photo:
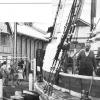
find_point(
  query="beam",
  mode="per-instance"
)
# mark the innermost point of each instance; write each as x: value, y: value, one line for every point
x: 15, y: 39
x: 30, y: 49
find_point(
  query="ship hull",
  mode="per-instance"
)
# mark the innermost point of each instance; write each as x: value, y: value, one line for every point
x: 77, y: 83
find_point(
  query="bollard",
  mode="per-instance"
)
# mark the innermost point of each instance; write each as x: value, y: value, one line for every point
x: 34, y: 73
x: 34, y: 70
x: 30, y: 82
x: 1, y: 88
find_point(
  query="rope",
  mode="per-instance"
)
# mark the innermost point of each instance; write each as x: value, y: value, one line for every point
x: 81, y: 87
x: 57, y: 12
x: 97, y: 21
x: 91, y: 84
x: 74, y: 13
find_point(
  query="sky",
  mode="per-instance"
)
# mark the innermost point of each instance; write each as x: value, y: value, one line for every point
x: 26, y: 11
x: 41, y: 12
x: 25, y: 1
x: 86, y: 11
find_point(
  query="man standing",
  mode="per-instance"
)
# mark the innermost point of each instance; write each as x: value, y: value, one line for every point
x: 86, y: 61
x: 67, y: 62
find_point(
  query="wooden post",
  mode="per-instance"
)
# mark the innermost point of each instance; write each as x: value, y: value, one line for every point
x: 1, y: 88
x: 74, y: 63
x: 34, y: 72
x: 15, y: 39
x: 30, y: 82
x: 27, y: 63
x: 30, y: 49
x: 21, y: 46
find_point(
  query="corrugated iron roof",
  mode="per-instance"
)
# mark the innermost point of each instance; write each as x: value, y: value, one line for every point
x: 29, y: 31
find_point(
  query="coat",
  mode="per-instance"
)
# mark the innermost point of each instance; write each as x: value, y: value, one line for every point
x: 85, y: 63
x: 66, y: 62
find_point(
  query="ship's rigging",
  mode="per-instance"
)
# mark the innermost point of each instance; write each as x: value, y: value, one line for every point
x: 67, y: 36
x: 51, y: 29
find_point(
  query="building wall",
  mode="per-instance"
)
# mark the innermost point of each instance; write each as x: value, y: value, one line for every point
x: 18, y: 45
x: 36, y: 47
x: 29, y: 46
x: 83, y: 32
x: 24, y: 46
x: 5, y: 41
x: 32, y: 48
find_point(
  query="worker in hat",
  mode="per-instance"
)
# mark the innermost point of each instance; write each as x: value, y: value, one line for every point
x: 86, y: 61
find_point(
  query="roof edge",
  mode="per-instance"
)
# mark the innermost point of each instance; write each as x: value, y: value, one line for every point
x: 88, y: 24
x: 7, y: 23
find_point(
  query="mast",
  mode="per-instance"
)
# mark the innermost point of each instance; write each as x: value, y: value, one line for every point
x: 58, y: 16
x: 54, y: 23
x: 93, y: 14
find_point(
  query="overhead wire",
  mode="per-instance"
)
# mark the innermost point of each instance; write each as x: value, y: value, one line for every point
x: 97, y: 22
x: 61, y: 11
x: 54, y: 23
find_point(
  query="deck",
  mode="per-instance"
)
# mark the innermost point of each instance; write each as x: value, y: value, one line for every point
x: 57, y: 94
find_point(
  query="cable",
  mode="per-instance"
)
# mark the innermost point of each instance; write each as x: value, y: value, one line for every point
x: 54, y: 23
x: 75, y: 10
x: 81, y: 87
x: 97, y: 21
x: 91, y: 84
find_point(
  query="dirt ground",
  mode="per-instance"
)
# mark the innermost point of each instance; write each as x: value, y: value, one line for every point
x: 10, y: 89
x: 57, y: 95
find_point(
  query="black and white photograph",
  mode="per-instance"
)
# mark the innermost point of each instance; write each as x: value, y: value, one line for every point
x: 50, y: 50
